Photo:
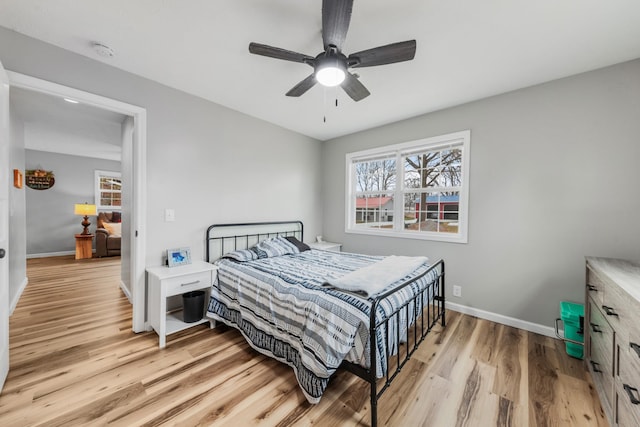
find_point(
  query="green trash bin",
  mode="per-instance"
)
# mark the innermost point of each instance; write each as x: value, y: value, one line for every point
x: 572, y: 316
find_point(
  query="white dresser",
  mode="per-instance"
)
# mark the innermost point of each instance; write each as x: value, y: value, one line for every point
x: 612, y: 336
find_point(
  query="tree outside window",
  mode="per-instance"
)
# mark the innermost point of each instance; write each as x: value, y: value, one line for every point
x: 430, y: 179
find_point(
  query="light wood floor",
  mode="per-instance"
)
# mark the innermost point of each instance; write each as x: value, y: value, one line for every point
x: 75, y: 361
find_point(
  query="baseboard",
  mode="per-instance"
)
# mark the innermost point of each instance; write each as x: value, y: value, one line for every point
x: 48, y: 254
x: 125, y: 291
x: 16, y: 298
x: 503, y: 320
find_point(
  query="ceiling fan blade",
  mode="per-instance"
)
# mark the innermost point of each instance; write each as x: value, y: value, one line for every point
x: 336, y: 16
x: 303, y: 86
x: 395, y: 52
x: 354, y: 88
x: 278, y: 53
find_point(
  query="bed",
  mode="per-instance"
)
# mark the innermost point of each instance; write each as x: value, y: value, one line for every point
x: 304, y: 308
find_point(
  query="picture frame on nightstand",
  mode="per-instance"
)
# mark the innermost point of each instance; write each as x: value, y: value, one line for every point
x: 178, y: 256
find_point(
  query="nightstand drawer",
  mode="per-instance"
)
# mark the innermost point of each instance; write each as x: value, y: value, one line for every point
x: 188, y: 282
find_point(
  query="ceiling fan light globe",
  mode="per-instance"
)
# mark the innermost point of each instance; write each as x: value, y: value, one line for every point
x: 330, y: 76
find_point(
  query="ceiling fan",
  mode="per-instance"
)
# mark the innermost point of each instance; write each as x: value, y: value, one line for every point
x: 331, y: 66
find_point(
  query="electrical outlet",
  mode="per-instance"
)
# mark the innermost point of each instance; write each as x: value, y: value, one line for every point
x: 457, y: 291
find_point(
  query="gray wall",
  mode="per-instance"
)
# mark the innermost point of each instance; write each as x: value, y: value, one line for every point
x: 554, y: 177
x: 51, y: 223
x: 209, y: 163
x: 17, y: 236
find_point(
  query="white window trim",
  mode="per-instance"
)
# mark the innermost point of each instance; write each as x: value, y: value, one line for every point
x: 462, y: 137
x: 96, y: 184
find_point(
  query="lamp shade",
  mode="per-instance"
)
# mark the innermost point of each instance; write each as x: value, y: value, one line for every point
x: 85, y: 209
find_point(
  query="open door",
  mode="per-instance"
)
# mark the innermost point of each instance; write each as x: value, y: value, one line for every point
x: 4, y: 225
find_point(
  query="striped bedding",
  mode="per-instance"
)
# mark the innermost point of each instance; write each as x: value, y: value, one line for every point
x: 285, y: 310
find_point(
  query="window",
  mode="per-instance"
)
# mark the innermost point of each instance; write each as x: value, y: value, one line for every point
x: 108, y: 192
x: 417, y: 189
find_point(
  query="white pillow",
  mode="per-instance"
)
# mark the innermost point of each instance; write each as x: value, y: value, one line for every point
x: 114, y: 228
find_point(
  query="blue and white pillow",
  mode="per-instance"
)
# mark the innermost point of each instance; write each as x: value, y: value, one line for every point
x: 276, y: 246
x: 242, y: 255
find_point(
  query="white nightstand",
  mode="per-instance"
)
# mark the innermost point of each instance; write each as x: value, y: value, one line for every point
x: 326, y: 246
x: 165, y: 282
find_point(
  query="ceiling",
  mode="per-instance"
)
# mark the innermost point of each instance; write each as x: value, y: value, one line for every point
x: 51, y: 124
x: 466, y: 49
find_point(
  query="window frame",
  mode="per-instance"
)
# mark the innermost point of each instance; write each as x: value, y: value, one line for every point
x: 98, y: 174
x: 461, y: 140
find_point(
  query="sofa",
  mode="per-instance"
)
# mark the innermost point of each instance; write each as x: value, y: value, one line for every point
x: 108, y: 234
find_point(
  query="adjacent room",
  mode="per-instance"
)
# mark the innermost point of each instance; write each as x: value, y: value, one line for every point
x: 327, y: 212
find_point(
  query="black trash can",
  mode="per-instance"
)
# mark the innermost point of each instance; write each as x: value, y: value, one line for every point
x: 192, y: 306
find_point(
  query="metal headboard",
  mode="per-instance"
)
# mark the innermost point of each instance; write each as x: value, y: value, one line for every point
x: 223, y: 238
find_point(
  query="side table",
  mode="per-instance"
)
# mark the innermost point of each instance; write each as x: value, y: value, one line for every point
x: 165, y: 282
x: 326, y: 246
x: 84, y: 244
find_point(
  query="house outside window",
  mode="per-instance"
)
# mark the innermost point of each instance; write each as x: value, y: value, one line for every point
x: 417, y: 189
x: 108, y: 190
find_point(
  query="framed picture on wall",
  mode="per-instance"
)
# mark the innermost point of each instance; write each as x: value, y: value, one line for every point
x: 17, y: 178
x: 179, y: 256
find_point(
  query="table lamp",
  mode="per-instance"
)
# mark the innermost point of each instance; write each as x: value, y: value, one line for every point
x: 86, y: 210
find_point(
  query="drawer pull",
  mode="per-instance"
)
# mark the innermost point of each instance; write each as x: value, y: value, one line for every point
x: 630, y: 390
x: 191, y: 283
x: 635, y: 347
x: 592, y: 288
x: 609, y: 310
x: 596, y: 328
x: 595, y: 365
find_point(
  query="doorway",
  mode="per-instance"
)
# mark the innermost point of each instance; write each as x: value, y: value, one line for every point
x: 133, y: 169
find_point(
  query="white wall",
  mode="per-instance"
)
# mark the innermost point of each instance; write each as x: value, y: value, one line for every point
x: 554, y: 177
x: 209, y: 163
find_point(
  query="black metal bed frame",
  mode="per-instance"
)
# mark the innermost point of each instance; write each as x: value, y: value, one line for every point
x: 425, y: 312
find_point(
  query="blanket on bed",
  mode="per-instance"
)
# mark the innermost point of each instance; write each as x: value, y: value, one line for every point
x: 283, y: 310
x: 373, y: 279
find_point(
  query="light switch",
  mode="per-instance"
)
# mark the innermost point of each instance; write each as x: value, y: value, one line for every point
x: 169, y: 215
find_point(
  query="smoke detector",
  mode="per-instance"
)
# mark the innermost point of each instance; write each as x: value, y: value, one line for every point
x: 103, y: 50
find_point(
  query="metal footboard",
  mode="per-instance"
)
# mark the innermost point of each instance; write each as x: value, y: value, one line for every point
x: 425, y: 313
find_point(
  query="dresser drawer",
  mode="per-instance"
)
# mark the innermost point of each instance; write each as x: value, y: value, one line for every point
x: 628, y: 391
x: 187, y: 282
x: 628, y: 366
x: 595, y: 287
x: 623, y: 313
x: 601, y: 360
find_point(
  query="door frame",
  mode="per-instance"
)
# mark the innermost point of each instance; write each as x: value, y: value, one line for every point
x: 139, y: 184
x: 4, y: 224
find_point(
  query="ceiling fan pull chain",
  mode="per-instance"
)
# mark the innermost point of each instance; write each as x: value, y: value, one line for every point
x: 324, y: 104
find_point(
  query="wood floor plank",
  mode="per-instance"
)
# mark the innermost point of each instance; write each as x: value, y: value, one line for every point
x: 509, y: 374
x: 76, y: 362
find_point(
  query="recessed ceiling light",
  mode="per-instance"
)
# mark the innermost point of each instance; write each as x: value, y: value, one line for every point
x: 103, y: 50
x: 73, y: 101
